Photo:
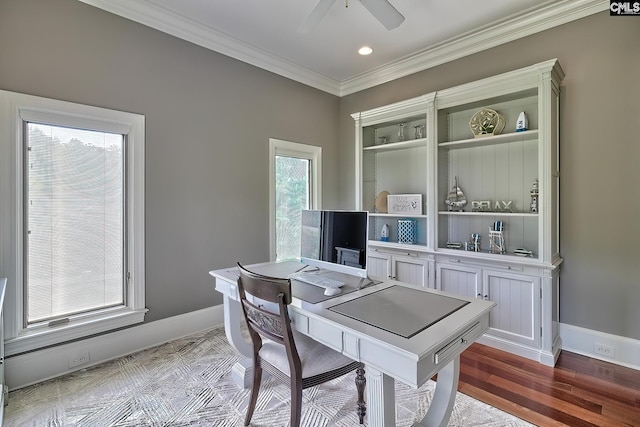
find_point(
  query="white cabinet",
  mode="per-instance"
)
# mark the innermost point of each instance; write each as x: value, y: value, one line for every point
x: 516, y: 315
x: 459, y: 279
x: 408, y: 267
x: 379, y: 264
x: 516, y: 322
x: 509, y: 179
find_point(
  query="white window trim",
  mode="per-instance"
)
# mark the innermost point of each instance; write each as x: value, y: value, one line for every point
x: 14, y: 109
x: 278, y: 147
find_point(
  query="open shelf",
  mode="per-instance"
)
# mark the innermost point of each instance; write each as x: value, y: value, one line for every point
x: 490, y: 140
x: 400, y: 246
x: 402, y: 145
x: 398, y: 215
x: 488, y: 213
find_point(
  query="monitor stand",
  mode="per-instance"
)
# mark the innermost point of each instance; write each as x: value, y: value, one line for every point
x: 365, y: 281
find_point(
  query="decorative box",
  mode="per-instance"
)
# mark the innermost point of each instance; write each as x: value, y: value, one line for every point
x: 407, y: 232
x: 404, y: 204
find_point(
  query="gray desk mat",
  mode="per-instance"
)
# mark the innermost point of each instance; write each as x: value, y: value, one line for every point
x: 400, y: 310
x: 301, y: 290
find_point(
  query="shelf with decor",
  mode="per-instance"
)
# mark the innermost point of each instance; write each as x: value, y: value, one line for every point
x: 390, y: 139
x: 489, y: 185
x: 400, y: 145
x: 490, y: 140
x: 494, y: 172
x: 378, y: 220
x: 487, y: 213
x: 395, y: 215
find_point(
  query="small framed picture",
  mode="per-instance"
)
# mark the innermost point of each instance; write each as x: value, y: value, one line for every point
x: 404, y: 204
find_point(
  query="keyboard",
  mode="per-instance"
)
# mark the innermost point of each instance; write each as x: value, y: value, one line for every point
x: 315, y: 279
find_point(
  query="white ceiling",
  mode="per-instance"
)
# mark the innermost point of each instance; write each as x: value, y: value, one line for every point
x: 265, y: 33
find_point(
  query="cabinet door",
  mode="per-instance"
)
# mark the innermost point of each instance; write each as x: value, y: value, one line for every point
x: 459, y: 279
x: 410, y: 269
x: 516, y: 317
x: 378, y: 264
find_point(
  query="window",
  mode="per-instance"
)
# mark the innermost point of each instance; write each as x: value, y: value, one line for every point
x: 72, y: 244
x: 74, y: 221
x: 295, y: 177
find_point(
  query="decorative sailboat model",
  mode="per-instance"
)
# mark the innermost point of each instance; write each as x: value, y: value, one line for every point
x: 456, y: 198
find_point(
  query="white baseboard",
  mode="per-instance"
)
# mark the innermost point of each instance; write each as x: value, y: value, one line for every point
x: 624, y: 351
x: 546, y: 358
x: 37, y: 366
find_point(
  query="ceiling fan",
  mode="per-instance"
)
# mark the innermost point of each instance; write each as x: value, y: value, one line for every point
x: 382, y: 10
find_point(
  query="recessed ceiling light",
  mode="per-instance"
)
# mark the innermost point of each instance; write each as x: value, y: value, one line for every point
x: 365, y: 50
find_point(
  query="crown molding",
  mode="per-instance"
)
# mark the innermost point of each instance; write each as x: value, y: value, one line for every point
x: 529, y: 23
x: 477, y: 41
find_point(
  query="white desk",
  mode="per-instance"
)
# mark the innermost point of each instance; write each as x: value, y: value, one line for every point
x: 387, y: 356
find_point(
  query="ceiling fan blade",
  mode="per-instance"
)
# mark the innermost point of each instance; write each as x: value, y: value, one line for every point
x: 316, y: 15
x: 384, y: 12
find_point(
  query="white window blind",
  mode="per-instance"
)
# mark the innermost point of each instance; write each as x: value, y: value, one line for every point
x: 74, y: 217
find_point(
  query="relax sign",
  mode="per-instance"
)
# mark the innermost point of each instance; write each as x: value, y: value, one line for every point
x: 485, y: 206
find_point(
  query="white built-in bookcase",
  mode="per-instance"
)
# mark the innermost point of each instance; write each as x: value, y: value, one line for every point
x: 495, y: 171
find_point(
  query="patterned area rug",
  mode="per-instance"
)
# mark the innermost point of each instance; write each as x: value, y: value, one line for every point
x: 187, y: 382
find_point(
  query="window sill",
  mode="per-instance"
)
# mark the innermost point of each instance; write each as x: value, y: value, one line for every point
x: 79, y: 327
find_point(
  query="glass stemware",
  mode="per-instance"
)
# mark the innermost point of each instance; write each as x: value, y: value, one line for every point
x: 400, y: 131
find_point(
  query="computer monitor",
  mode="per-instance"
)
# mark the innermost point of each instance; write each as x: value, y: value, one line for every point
x: 335, y: 240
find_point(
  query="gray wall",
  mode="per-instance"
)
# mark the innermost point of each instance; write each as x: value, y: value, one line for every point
x: 600, y: 152
x: 208, y: 122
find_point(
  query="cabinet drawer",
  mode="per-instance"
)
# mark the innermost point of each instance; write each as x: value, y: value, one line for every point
x: 351, y: 346
x: 326, y: 334
x: 482, y: 264
x: 300, y: 322
x: 454, y: 347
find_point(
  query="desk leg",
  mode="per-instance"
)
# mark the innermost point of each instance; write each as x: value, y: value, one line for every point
x: 381, y: 398
x: 444, y: 396
x: 242, y: 371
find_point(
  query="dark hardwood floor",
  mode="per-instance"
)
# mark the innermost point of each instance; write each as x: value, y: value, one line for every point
x: 579, y: 391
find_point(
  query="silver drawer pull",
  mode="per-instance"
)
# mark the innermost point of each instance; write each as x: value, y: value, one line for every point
x: 446, y: 352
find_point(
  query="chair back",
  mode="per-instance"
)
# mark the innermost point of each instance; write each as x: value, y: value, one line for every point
x: 265, y: 287
x: 263, y: 321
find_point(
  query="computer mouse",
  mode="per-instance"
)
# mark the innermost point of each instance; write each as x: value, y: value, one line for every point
x: 332, y: 291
